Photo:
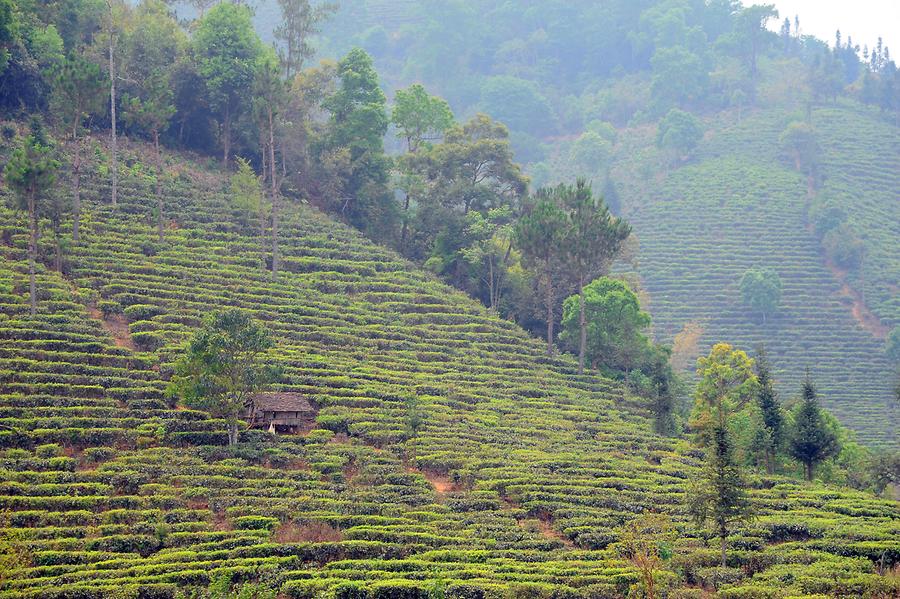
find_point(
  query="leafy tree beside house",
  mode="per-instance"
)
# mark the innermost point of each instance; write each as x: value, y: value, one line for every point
x: 223, y: 366
x: 761, y: 291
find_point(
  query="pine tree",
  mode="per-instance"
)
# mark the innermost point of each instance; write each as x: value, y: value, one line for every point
x: 30, y: 173
x: 719, y: 499
x: 770, y: 408
x: 812, y: 441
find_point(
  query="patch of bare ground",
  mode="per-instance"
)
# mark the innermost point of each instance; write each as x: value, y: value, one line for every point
x: 861, y: 313
x: 117, y: 326
x: 441, y: 483
x: 309, y: 532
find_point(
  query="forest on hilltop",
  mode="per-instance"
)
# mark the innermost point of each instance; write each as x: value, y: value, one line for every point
x: 427, y: 300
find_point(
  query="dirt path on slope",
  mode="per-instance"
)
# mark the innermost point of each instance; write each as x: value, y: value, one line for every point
x: 861, y: 313
x: 116, y: 326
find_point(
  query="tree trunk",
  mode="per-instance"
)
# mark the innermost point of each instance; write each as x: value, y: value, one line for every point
x: 582, y: 324
x: 274, y: 192
x: 550, y: 319
x: 32, y: 251
x: 232, y: 434
x: 114, y: 167
x: 809, y: 471
x: 724, y: 545
x: 159, y: 200
x: 226, y: 136
x: 76, y: 188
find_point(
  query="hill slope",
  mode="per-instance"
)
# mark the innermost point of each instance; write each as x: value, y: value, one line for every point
x: 736, y: 206
x: 517, y: 483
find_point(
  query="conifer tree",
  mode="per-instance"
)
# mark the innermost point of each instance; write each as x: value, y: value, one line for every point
x: 30, y: 173
x: 771, y: 435
x: 719, y: 499
x: 78, y: 93
x: 812, y: 441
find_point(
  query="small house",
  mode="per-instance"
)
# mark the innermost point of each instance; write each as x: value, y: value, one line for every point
x: 282, y: 412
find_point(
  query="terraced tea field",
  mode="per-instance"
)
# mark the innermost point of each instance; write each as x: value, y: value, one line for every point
x: 736, y: 206
x: 516, y: 485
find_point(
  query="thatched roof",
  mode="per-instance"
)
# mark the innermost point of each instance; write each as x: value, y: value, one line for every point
x: 281, y: 401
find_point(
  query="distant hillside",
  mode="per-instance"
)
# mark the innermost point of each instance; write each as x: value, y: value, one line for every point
x: 516, y: 484
x: 552, y: 72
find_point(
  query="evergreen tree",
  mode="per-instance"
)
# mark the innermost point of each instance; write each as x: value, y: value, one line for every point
x: 539, y: 234
x: 719, y: 498
x: 770, y: 437
x: 300, y: 20
x: 593, y: 239
x: 78, y: 93
x: 31, y: 173
x: 812, y: 441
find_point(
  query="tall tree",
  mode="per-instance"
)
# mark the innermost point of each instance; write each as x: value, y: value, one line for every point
x: 811, y: 440
x: 420, y: 118
x: 772, y: 430
x: 719, y: 498
x: 727, y: 383
x: 113, y: 134
x: 31, y: 173
x: 78, y: 92
x: 761, y: 291
x: 226, y: 49
x: 300, y: 21
x: 269, y: 97
x: 246, y: 195
x: 750, y: 33
x: 223, y: 366
x: 539, y: 234
x: 594, y: 238
x: 152, y: 112
x: 615, y: 325
x: 355, y: 136
x: 799, y: 144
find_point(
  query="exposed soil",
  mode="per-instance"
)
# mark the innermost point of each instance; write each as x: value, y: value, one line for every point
x: 861, y: 313
x: 116, y: 326
x: 440, y: 482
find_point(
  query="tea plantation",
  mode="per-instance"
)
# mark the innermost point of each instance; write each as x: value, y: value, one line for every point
x: 516, y: 484
x: 737, y: 205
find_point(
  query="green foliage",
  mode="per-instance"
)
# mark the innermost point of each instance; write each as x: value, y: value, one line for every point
x: 770, y: 434
x: 679, y: 132
x: 354, y: 147
x: 226, y: 49
x: 223, y: 366
x: 892, y: 345
x: 616, y: 326
x: 719, y: 498
x: 680, y: 77
x: 518, y: 104
x: 420, y: 118
x: 300, y: 21
x: 799, y: 144
x: 79, y: 90
x: 591, y: 152
x: 727, y: 383
x: 761, y: 291
x: 811, y: 439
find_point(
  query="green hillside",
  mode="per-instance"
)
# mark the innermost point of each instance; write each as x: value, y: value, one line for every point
x: 736, y: 205
x: 517, y: 484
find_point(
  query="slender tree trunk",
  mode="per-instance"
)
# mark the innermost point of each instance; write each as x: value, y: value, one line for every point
x: 582, y: 325
x: 232, y: 434
x: 404, y: 230
x: 114, y: 149
x: 32, y: 250
x: 550, y: 319
x: 226, y: 136
x: 274, y: 191
x: 57, y: 246
x: 809, y: 471
x: 159, y: 199
x: 76, y: 188
x: 723, y: 538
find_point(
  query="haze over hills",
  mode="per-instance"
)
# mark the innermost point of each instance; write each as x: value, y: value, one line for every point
x: 508, y: 71
x: 497, y: 300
